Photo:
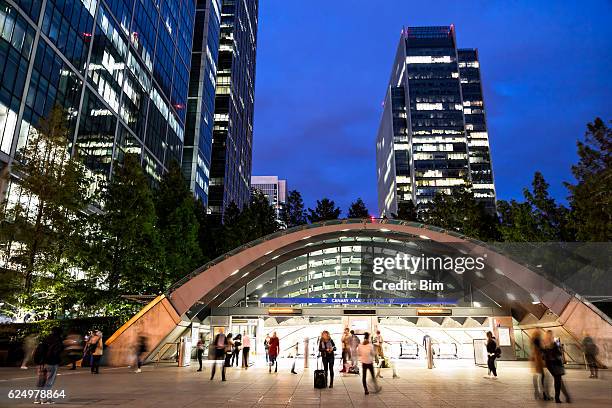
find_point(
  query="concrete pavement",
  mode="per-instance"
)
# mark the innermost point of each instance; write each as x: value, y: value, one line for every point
x: 451, y: 384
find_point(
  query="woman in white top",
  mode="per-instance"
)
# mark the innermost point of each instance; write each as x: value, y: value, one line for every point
x: 366, y: 355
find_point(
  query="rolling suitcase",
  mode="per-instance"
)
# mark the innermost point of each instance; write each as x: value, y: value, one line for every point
x: 319, y: 377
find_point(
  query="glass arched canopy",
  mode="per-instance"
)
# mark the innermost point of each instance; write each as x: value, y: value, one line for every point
x: 335, y: 263
x: 348, y: 270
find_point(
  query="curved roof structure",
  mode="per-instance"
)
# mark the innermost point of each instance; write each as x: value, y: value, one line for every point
x: 334, y: 259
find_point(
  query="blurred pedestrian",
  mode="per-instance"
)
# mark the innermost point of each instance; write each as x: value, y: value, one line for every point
x: 141, y: 349
x: 273, y: 351
x: 267, y: 347
x: 492, y: 354
x: 377, y: 342
x: 366, y: 356
x: 297, y: 346
x: 246, y: 349
x: 554, y: 363
x: 73, y: 345
x: 96, y: 349
x: 219, y: 345
x: 29, y: 345
x: 237, y: 349
x: 326, y: 350
x: 346, y: 350
x: 353, y: 344
x: 48, y: 355
x: 200, y: 352
x: 540, y: 388
x: 590, y: 354
x: 229, y: 349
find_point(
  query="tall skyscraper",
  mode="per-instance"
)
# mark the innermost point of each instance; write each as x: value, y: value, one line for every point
x: 201, y: 99
x: 230, y: 173
x: 432, y: 135
x: 120, y: 68
x: 275, y: 190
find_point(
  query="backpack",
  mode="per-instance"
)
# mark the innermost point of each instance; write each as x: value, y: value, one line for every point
x: 40, y: 353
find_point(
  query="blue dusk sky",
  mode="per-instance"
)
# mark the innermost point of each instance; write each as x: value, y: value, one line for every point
x: 323, y: 67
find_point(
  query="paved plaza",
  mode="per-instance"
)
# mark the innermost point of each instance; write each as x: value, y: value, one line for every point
x: 451, y: 384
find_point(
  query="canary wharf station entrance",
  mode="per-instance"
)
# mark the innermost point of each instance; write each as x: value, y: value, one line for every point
x: 410, y: 281
x: 456, y: 333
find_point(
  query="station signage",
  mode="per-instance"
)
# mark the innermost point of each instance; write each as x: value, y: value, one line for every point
x: 357, y: 301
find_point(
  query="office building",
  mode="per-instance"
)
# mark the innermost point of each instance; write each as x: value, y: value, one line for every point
x: 120, y: 68
x: 432, y: 136
x: 201, y: 98
x: 275, y: 190
x: 230, y: 173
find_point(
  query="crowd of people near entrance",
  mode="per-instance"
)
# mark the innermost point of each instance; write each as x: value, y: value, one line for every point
x: 359, y: 356
x: 369, y: 351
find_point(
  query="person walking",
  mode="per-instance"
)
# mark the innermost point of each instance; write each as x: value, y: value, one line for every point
x: 378, y: 341
x: 267, y: 347
x: 48, y: 355
x: 237, y: 349
x: 141, y: 349
x: 540, y: 388
x: 366, y: 356
x: 590, y: 350
x: 200, y: 352
x: 219, y: 344
x: 346, y: 336
x: 73, y: 345
x: 29, y: 345
x: 229, y: 349
x: 353, y: 344
x: 491, y: 356
x: 554, y: 363
x: 326, y: 350
x: 96, y: 349
x: 273, y: 351
x: 246, y: 349
x: 296, y: 347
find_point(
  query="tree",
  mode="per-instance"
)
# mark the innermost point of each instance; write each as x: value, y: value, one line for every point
x: 39, y: 231
x: 407, y: 211
x: 537, y: 219
x: 294, y: 213
x: 256, y: 220
x: 178, y: 227
x: 461, y: 212
x: 126, y: 245
x: 591, y: 197
x: 358, y: 209
x: 210, y: 233
x: 233, y: 227
x: 260, y: 217
x: 325, y: 210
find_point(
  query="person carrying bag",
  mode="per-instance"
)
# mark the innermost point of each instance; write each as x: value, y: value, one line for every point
x: 319, y: 375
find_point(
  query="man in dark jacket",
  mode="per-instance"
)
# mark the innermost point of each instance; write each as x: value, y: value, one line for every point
x: 49, y: 356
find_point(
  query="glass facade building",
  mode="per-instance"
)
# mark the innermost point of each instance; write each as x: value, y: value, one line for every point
x: 201, y: 98
x: 276, y: 192
x: 432, y: 135
x: 120, y: 68
x: 230, y: 173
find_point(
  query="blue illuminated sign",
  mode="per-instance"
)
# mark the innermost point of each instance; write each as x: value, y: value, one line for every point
x: 359, y: 301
